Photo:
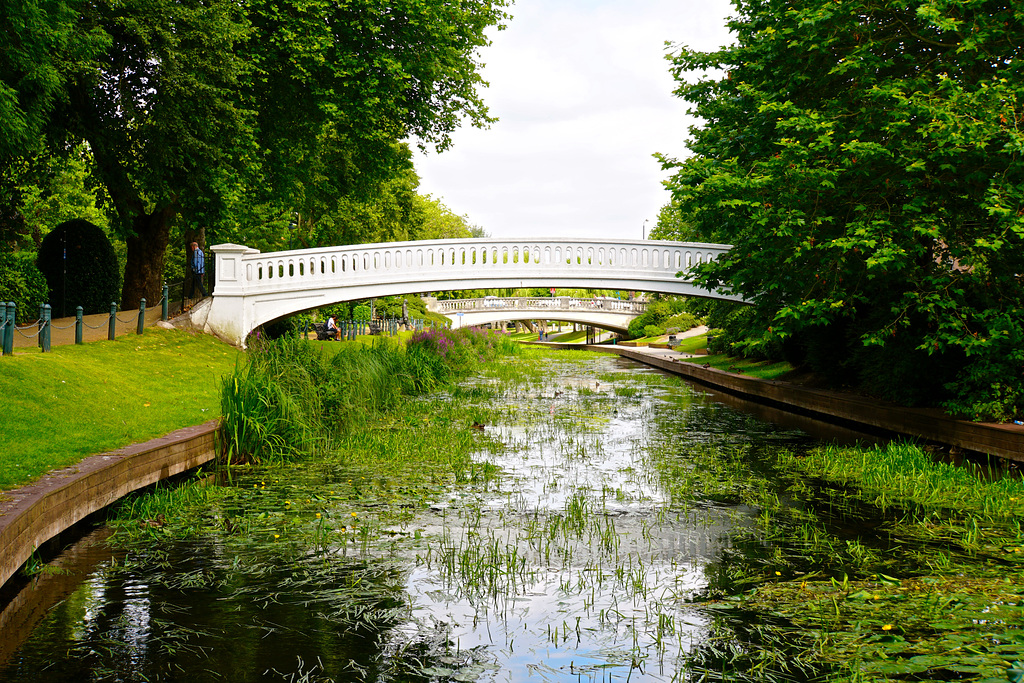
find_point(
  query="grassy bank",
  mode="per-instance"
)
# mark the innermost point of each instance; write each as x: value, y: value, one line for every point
x: 349, y: 405
x: 77, y: 401
x: 294, y: 398
x: 745, y: 366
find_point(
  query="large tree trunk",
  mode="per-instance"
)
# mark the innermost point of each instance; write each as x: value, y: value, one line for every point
x: 144, y: 269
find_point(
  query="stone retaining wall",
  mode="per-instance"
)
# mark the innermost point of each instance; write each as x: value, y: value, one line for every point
x: 32, y: 515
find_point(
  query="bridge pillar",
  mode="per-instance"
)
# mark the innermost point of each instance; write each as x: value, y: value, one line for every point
x: 229, y: 317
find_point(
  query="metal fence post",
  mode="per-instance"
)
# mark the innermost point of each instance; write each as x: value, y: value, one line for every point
x: 164, y: 302
x: 78, y: 325
x: 3, y: 326
x: 45, y: 331
x: 8, y: 340
x: 39, y: 326
x: 142, y: 317
x: 112, y: 325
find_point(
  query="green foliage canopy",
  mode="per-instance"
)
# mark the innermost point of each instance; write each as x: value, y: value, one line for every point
x: 864, y: 157
x: 188, y: 106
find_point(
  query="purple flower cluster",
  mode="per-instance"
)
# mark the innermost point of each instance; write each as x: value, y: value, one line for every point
x: 441, y: 341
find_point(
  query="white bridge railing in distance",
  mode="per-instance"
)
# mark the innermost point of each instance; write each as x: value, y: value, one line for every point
x: 561, y: 303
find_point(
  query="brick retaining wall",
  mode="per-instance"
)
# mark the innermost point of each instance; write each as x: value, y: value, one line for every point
x: 32, y: 515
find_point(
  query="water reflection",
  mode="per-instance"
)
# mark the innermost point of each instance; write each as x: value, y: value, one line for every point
x: 578, y: 562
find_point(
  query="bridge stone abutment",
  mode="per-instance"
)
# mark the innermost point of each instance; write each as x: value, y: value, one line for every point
x: 253, y: 288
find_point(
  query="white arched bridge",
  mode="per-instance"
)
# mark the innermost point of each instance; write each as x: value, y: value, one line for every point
x: 254, y: 288
x: 604, y: 312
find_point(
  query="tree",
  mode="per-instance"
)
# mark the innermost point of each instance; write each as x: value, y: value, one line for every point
x: 864, y: 157
x: 196, y: 102
x: 41, y: 45
x: 435, y: 221
x: 672, y: 225
x: 61, y: 190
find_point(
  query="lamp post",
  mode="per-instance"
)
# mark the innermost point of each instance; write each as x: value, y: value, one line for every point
x: 643, y: 232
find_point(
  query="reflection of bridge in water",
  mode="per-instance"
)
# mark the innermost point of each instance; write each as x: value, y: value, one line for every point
x: 604, y: 312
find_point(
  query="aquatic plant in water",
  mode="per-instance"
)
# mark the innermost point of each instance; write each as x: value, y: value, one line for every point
x: 568, y: 517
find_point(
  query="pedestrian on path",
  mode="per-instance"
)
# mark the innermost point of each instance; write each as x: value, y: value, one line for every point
x: 197, y: 262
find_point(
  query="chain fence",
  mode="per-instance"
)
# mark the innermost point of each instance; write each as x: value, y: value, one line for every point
x: 42, y: 328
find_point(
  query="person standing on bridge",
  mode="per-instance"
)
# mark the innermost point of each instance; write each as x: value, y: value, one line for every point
x: 197, y: 263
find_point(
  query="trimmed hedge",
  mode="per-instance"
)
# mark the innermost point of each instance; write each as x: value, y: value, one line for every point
x: 22, y: 283
x: 79, y: 263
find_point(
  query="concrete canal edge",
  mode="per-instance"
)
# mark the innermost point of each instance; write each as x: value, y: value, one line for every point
x: 33, y: 515
x: 932, y: 425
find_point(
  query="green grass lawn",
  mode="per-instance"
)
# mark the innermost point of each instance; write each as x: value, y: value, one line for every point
x: 746, y: 366
x: 77, y: 401
x: 569, y: 337
x: 692, y: 344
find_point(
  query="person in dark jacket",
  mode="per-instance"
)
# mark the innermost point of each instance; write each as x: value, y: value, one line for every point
x: 197, y: 262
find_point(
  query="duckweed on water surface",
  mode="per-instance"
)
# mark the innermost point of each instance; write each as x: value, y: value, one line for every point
x: 556, y: 516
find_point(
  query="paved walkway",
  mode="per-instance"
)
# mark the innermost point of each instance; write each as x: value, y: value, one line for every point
x: 95, y: 328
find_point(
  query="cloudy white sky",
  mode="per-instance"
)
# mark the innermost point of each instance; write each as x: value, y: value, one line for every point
x: 584, y: 98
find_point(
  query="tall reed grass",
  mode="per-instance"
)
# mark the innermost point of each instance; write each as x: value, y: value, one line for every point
x: 900, y: 473
x: 292, y: 398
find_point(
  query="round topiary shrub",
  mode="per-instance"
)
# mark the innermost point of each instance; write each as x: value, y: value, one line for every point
x: 80, y: 267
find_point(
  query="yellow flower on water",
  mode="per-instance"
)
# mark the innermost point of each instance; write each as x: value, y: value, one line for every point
x: 887, y: 627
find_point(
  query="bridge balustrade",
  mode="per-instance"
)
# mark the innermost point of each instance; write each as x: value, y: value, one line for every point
x: 276, y: 270
x: 253, y: 288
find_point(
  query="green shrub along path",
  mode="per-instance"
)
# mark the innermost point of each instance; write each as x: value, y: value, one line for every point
x: 77, y: 401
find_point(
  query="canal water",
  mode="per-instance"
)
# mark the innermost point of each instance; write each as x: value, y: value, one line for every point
x: 604, y: 508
